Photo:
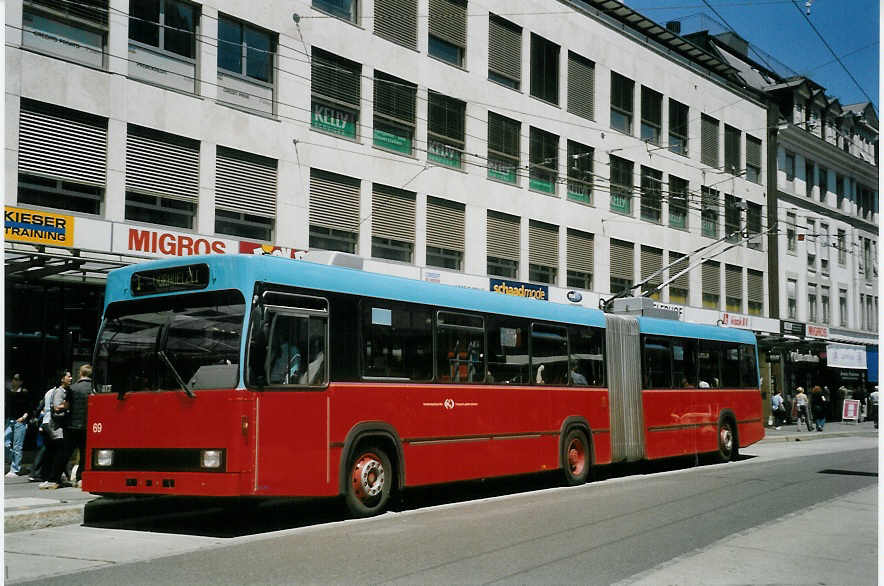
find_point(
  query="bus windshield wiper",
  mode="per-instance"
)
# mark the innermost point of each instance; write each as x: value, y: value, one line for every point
x: 162, y: 354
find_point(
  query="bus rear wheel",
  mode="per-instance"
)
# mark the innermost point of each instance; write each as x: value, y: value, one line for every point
x: 369, y: 478
x: 727, y: 441
x: 575, y: 457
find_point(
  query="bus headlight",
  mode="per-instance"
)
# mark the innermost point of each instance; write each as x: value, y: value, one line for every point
x: 210, y: 458
x: 104, y: 458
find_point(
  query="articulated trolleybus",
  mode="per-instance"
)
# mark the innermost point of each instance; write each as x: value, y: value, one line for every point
x: 233, y: 376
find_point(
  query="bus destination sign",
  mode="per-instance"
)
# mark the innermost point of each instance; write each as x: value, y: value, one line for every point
x: 181, y: 278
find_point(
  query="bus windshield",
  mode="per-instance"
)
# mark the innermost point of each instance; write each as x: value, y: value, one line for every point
x: 189, y: 341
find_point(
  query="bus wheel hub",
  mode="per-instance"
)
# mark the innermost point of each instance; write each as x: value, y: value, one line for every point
x: 368, y: 477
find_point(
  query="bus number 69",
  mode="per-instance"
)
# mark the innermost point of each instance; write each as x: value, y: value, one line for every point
x: 96, y: 428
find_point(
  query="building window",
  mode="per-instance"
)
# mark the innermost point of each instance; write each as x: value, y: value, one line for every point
x: 141, y: 207
x: 709, y: 201
x: 503, y: 148
x: 243, y: 225
x: 445, y: 130
x: 55, y: 193
x: 809, y: 169
x: 733, y: 288
x: 789, y: 163
x: 824, y: 248
x: 811, y: 303
x: 168, y: 25
x: 839, y: 191
x: 709, y: 141
x: 394, y: 113
x: 824, y: 304
x: 544, y: 69
x: 622, y: 90
x: 581, y: 86
x: 652, y: 112
x: 445, y: 233
x: 580, y: 259
x: 732, y: 150
x: 678, y: 202
x: 621, y: 185
x: 732, y: 218
x: 580, y: 176
x: 755, y: 290
x: 824, y: 183
x: 622, y: 265
x: 810, y: 245
x: 544, y: 157
x: 678, y: 128
x: 842, y: 307
x: 76, y: 31
x: 543, y: 252
x: 791, y: 299
x: 390, y: 249
x: 336, y: 88
x: 842, y: 248
x: 503, y: 238
x: 652, y: 181
x: 345, y: 9
x: 791, y: 243
x: 753, y: 159
x: 651, y: 271
x: 504, y: 52
x: 392, y: 223
x: 245, y: 50
x: 711, y: 281
x: 753, y: 226
x: 334, y: 211
x: 679, y: 285
x: 448, y: 30
x: 396, y: 21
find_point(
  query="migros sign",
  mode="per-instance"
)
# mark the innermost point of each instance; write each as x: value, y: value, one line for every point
x: 135, y: 240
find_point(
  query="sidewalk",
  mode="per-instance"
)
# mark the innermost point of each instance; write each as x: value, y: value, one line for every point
x: 27, y: 507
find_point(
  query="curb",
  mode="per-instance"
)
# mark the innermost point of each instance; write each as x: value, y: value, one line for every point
x: 40, y: 519
x: 809, y: 436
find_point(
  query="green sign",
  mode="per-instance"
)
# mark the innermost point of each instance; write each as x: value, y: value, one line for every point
x: 501, y: 170
x: 543, y: 185
x: 333, y: 120
x: 443, y: 154
x: 620, y: 203
x: 393, y: 139
x: 579, y: 192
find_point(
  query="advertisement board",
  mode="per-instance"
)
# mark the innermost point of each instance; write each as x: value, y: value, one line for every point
x: 145, y: 241
x: 519, y: 289
x: 34, y: 227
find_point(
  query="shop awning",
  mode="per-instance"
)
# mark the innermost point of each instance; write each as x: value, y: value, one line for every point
x: 846, y: 356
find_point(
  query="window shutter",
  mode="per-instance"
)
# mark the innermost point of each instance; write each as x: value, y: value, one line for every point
x: 755, y: 286
x: 580, y: 251
x: 334, y: 201
x: 95, y: 12
x: 396, y: 21
x: 733, y: 281
x: 753, y: 151
x: 681, y: 263
x: 581, y: 86
x: 503, y: 134
x: 711, y: 275
x: 394, y: 98
x: 446, y: 116
x: 392, y: 213
x: 448, y: 21
x: 335, y: 78
x: 621, y: 260
x: 445, y: 224
x: 709, y: 141
x: 504, y: 48
x: 245, y: 183
x: 652, y: 261
x: 543, y: 244
x: 162, y: 164
x: 62, y: 144
x: 503, y: 236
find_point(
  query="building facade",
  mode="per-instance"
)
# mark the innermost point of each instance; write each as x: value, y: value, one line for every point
x: 542, y: 149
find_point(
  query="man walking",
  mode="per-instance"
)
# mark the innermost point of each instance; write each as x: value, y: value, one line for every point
x: 18, y: 410
x: 75, y: 432
x: 57, y: 406
x: 777, y: 408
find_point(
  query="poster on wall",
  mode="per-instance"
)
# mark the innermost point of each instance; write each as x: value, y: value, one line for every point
x: 846, y: 356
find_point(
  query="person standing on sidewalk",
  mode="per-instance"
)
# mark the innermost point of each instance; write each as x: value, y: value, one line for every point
x: 18, y: 411
x: 75, y: 432
x: 801, y: 403
x: 873, y: 405
x: 777, y: 408
x: 58, y: 413
x: 819, y: 404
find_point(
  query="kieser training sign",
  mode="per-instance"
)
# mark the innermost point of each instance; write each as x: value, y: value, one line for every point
x: 518, y: 289
x: 38, y: 227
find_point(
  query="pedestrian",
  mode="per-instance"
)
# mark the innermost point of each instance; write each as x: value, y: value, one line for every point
x: 801, y: 403
x: 58, y: 407
x: 75, y: 432
x: 778, y: 408
x: 873, y: 405
x: 41, y: 467
x: 18, y: 412
x: 819, y: 404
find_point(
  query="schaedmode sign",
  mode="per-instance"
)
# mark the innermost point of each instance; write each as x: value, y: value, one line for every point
x: 38, y: 227
x: 518, y: 289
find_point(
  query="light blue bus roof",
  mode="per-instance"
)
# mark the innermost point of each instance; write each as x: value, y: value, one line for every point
x: 242, y: 271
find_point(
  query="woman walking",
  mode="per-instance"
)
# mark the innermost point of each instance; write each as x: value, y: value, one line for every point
x: 818, y: 406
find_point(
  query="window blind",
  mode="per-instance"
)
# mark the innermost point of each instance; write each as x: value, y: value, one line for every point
x: 162, y: 164
x: 396, y: 21
x: 733, y: 281
x: 580, y: 251
x: 709, y: 140
x: 651, y: 262
x: 245, y: 182
x: 543, y: 244
x: 392, y: 213
x: 334, y: 201
x: 504, y: 48
x: 448, y: 21
x: 622, y: 262
x: 445, y: 224
x: 581, y: 86
x: 503, y: 236
x: 335, y: 78
x: 711, y: 275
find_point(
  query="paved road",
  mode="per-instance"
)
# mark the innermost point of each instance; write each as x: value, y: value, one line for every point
x: 652, y: 528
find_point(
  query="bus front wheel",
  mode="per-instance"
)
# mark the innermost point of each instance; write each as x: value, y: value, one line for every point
x: 369, y: 479
x: 575, y: 457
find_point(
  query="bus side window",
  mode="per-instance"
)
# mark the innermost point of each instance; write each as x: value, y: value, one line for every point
x: 287, y: 357
x: 587, y: 360
x: 460, y: 348
x: 748, y: 368
x: 549, y: 354
x: 507, y: 351
x: 730, y: 366
x: 708, y: 359
x: 657, y: 363
x: 684, y: 363
x: 397, y: 341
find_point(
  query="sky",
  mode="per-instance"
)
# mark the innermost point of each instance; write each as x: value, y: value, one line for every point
x: 778, y: 28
